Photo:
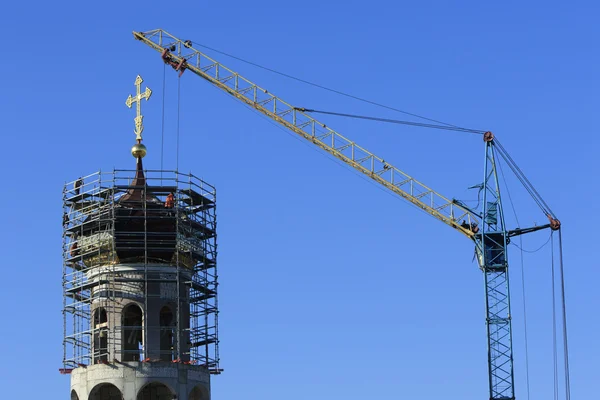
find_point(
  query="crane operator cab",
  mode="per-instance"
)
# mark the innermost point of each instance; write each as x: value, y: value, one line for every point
x: 493, y: 245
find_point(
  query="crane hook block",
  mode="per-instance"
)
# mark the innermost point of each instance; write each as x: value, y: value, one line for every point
x: 488, y: 136
x: 177, y: 66
x: 554, y: 223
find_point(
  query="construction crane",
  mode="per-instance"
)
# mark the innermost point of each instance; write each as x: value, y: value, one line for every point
x: 485, y: 227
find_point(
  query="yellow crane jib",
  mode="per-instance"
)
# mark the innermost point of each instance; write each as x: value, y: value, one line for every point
x: 180, y: 55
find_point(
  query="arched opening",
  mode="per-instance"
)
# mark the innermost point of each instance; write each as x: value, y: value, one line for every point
x: 105, y: 391
x: 132, y: 333
x: 155, y: 391
x: 74, y: 395
x: 199, y: 392
x: 100, y: 329
x: 167, y: 343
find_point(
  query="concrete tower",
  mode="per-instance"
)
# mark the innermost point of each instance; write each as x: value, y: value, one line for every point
x: 140, y: 282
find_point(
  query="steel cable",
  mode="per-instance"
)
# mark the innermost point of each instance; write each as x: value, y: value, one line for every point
x: 554, y: 350
x: 178, y: 113
x: 394, y: 121
x: 162, y: 135
x: 564, y: 316
x: 533, y: 251
x: 545, y: 207
x: 525, y: 177
x: 323, y: 87
x: 512, y: 205
x: 514, y: 168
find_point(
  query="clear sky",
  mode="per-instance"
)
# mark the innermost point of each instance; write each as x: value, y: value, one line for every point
x: 330, y: 287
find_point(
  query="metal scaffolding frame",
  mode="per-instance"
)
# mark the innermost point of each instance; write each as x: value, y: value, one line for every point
x: 99, y: 246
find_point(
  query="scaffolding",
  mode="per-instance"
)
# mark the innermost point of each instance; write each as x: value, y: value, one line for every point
x: 125, y: 241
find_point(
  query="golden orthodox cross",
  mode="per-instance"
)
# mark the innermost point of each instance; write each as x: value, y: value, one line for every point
x: 139, y: 126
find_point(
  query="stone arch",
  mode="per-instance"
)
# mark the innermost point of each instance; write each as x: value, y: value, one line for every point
x: 155, y: 391
x: 105, y: 391
x: 100, y: 315
x: 100, y: 330
x: 199, y: 392
x: 74, y: 395
x: 132, y: 332
x: 167, y: 337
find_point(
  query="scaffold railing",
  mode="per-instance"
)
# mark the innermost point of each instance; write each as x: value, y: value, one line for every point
x: 125, y: 241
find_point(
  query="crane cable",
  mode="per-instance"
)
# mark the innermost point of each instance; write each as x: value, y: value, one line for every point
x: 545, y: 208
x: 514, y: 168
x: 162, y: 138
x: 521, y: 176
x: 512, y: 205
x: 564, y: 317
x: 323, y: 87
x: 178, y: 113
x: 444, y: 125
x: 554, y: 347
x: 532, y: 251
x: 561, y: 276
x: 162, y: 135
x: 523, y: 179
x: 393, y: 121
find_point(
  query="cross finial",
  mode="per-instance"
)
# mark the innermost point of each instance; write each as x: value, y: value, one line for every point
x: 139, y: 126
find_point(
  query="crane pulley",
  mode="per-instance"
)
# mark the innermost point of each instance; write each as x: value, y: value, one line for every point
x: 486, y: 227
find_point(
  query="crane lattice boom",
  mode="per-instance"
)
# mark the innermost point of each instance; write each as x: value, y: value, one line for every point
x: 182, y: 56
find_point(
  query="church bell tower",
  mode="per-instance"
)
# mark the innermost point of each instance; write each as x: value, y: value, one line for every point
x: 140, y: 282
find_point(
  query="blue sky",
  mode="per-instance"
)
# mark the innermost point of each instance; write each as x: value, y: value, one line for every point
x: 330, y: 287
